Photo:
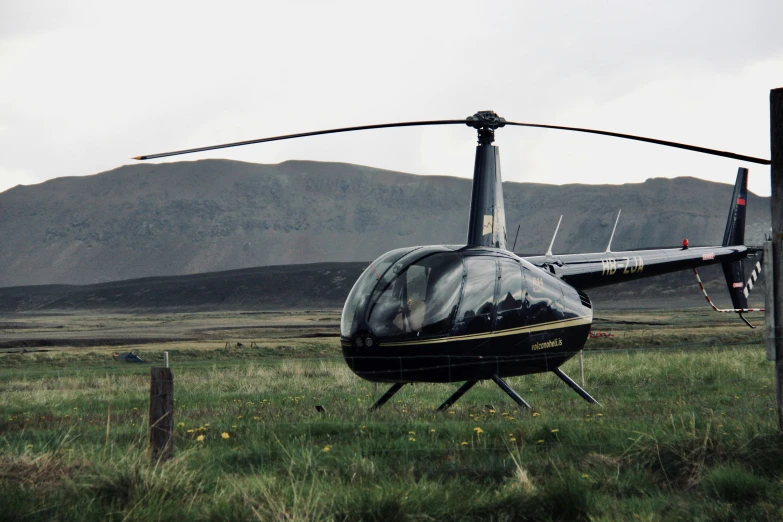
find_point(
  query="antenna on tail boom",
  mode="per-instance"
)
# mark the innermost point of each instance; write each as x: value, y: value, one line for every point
x: 549, y: 250
x: 609, y: 246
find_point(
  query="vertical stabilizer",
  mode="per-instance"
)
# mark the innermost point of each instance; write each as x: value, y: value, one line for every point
x: 735, y: 235
x: 735, y: 225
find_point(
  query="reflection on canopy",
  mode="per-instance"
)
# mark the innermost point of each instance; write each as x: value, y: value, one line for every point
x: 357, y: 300
x: 421, y: 299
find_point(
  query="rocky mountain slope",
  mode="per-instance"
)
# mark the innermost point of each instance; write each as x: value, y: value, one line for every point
x: 212, y: 215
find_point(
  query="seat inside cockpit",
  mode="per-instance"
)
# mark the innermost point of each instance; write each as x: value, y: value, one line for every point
x: 421, y: 298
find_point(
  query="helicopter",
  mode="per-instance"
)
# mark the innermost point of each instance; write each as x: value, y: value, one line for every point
x: 474, y: 312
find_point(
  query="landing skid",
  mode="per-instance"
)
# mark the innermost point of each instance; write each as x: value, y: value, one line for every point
x: 511, y: 393
x: 468, y: 385
x: 574, y: 386
x: 456, y: 395
x: 500, y: 382
x: 388, y: 395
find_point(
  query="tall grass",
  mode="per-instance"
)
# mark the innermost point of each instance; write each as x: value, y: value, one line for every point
x: 683, y: 433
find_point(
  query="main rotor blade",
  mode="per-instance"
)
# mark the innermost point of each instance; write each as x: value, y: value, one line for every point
x: 694, y: 148
x: 649, y: 140
x: 304, y: 134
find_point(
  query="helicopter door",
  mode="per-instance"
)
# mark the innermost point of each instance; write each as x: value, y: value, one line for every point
x: 478, y: 298
x: 510, y: 299
x: 544, y: 310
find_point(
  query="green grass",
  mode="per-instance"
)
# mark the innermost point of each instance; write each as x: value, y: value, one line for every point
x: 685, y: 432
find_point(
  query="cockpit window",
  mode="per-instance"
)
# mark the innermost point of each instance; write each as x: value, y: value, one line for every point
x: 480, y: 288
x: 421, y: 300
x: 357, y: 299
x: 475, y: 313
x: 510, y: 295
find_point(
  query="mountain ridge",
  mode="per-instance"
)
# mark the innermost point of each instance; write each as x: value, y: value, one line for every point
x: 214, y: 215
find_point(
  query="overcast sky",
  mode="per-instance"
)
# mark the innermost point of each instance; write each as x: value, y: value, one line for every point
x: 86, y: 85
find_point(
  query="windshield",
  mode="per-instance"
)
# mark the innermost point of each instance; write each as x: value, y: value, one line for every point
x: 357, y: 299
x: 421, y: 298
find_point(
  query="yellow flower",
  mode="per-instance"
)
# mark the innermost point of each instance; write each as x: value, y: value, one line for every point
x: 233, y: 425
x: 200, y: 438
x: 225, y: 435
x: 512, y: 439
x: 599, y: 414
x: 29, y: 446
x: 411, y: 439
x: 451, y: 412
x: 327, y: 448
x: 492, y: 411
x: 411, y: 433
x: 206, y: 425
x: 478, y: 430
x: 555, y: 431
x: 464, y: 443
x: 181, y: 424
x: 585, y: 475
x: 191, y: 430
x: 432, y: 430
x: 536, y: 414
x: 540, y: 441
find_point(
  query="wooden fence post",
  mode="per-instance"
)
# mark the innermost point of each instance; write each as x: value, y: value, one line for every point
x: 161, y: 414
x: 776, y: 175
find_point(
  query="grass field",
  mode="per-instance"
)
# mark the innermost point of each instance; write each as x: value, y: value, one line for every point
x: 686, y: 430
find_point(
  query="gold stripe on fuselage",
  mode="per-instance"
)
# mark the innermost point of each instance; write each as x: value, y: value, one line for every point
x: 563, y: 323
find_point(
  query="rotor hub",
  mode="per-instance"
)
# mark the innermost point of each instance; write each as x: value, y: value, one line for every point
x: 485, y: 122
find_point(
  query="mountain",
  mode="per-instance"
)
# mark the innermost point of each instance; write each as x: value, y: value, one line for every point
x: 316, y: 286
x: 301, y: 287
x: 215, y: 215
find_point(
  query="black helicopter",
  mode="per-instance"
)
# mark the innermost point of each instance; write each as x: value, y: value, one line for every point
x: 465, y: 313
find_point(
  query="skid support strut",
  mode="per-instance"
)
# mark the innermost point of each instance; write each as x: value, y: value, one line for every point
x: 574, y: 386
x: 456, y: 395
x: 388, y: 395
x: 511, y: 393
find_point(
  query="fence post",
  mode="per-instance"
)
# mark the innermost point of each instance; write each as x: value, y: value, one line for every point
x: 776, y: 279
x: 161, y: 414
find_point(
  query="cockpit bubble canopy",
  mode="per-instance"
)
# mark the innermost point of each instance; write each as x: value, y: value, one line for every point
x: 406, y: 292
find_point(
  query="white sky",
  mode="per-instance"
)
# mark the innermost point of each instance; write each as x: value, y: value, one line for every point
x: 85, y: 85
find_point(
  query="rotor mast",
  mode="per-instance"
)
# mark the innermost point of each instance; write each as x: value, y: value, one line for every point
x: 487, y: 223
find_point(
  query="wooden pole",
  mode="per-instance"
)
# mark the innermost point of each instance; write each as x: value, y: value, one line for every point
x: 161, y: 414
x: 776, y: 177
x: 768, y: 269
